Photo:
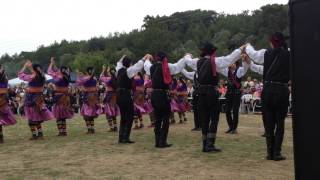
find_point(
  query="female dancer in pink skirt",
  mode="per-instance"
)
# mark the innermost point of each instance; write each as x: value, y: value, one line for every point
x: 6, y: 116
x: 139, y: 100
x: 173, y: 103
x: 182, y: 100
x: 148, y: 106
x: 91, y: 106
x: 62, y: 109
x: 111, y: 108
x: 34, y: 106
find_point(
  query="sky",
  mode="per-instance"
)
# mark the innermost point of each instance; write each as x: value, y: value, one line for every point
x: 27, y: 24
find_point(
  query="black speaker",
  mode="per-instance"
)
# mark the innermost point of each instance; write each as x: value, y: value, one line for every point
x: 305, y: 69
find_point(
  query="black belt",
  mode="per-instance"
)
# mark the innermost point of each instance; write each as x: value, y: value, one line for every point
x: 208, y: 85
x: 276, y: 83
x: 123, y: 89
x: 160, y: 89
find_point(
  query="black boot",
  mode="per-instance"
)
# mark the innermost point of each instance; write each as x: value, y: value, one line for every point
x: 211, y: 144
x: 163, y: 140
x: 270, y: 147
x: 1, y: 139
x: 228, y: 131
x: 204, y: 145
x: 277, y: 148
x: 157, y: 139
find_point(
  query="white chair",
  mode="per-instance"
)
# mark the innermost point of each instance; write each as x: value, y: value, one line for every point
x: 246, y: 102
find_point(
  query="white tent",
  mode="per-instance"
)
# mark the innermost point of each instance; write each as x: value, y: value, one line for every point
x: 17, y: 81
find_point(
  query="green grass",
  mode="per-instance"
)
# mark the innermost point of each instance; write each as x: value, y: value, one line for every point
x: 99, y: 156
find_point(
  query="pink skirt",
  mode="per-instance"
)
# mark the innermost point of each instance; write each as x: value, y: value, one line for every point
x: 62, y: 112
x: 148, y: 107
x: 174, y: 105
x: 183, y: 107
x: 139, y: 109
x: 7, y: 118
x: 90, y: 111
x: 34, y: 115
x: 111, y: 110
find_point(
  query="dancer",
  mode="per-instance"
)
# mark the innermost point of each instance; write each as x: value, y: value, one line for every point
x: 161, y: 78
x: 108, y: 77
x: 90, y: 108
x: 275, y: 93
x: 182, y: 100
x: 125, y: 74
x: 62, y: 108
x: 207, y: 69
x: 6, y: 116
x: 34, y: 107
x: 234, y: 73
x: 195, y: 96
x: 148, y: 105
x: 139, y: 100
x: 173, y: 98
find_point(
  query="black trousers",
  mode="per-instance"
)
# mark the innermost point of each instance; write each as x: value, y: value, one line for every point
x: 208, y: 108
x: 125, y: 103
x: 195, y: 98
x: 160, y: 101
x: 275, y: 99
x: 233, y: 98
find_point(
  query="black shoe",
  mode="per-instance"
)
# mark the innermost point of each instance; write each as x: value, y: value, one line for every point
x: 264, y: 135
x: 33, y: 137
x: 166, y: 145
x: 1, y: 139
x: 211, y: 150
x: 269, y: 157
x: 229, y: 131
x: 122, y: 141
x: 234, y: 132
x: 115, y: 129
x: 279, y: 157
x: 129, y: 141
x: 196, y: 129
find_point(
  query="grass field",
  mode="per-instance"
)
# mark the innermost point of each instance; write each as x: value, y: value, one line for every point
x: 81, y: 156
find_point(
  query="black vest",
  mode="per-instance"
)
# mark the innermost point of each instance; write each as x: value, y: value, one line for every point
x: 205, y: 76
x: 157, y: 77
x: 280, y: 71
x: 123, y: 81
x: 231, y: 83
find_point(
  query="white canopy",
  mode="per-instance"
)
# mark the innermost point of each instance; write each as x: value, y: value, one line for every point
x: 17, y: 81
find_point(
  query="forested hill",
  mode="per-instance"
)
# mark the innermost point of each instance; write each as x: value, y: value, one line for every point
x: 176, y: 34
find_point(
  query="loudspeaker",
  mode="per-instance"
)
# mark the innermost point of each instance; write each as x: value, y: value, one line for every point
x: 305, y: 69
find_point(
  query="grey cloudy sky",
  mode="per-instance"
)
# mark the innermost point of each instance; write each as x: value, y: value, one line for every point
x: 26, y: 24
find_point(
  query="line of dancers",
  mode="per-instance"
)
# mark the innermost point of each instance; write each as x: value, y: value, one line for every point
x: 133, y: 94
x: 36, y: 112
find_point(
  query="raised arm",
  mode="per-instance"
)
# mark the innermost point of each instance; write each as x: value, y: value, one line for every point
x: 256, y: 68
x: 133, y: 70
x: 243, y: 70
x: 53, y: 72
x: 191, y: 62
x: 187, y: 74
x: 177, y: 67
x: 119, y: 63
x: 225, y: 61
x: 22, y: 75
x: 147, y: 65
x: 256, y: 56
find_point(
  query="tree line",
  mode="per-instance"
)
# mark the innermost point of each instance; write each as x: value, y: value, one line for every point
x: 176, y: 34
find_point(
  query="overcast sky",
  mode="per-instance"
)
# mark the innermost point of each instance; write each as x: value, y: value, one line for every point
x: 26, y: 24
